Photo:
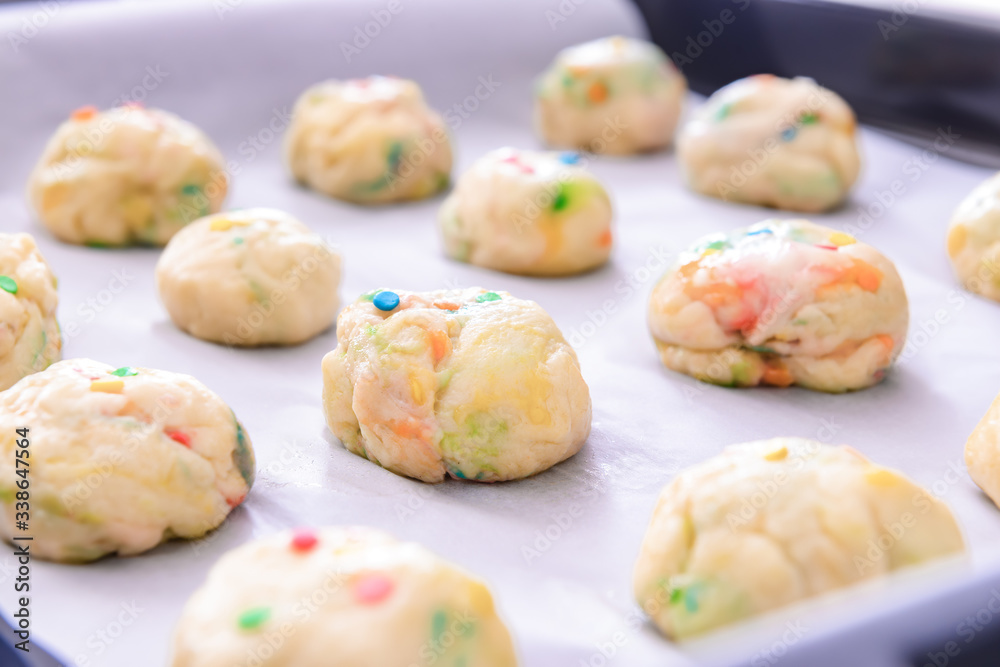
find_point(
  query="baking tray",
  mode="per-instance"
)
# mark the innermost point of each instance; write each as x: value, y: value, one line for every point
x: 235, y: 68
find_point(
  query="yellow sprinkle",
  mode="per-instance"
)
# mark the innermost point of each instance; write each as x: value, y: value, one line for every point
x: 480, y: 600
x: 956, y: 240
x: 417, y: 391
x: 223, y: 224
x: 709, y: 251
x: 108, y: 386
x: 882, y: 477
x: 777, y: 454
x: 840, y: 238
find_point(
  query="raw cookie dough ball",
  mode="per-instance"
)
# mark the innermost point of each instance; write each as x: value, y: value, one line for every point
x: 786, y: 143
x: 614, y: 95
x: 765, y: 524
x: 474, y: 384
x: 528, y: 212
x: 368, y: 141
x: 982, y: 452
x: 120, y: 460
x: 351, y: 597
x: 29, y: 334
x: 251, y: 277
x: 974, y: 240
x: 781, y: 302
x: 126, y: 176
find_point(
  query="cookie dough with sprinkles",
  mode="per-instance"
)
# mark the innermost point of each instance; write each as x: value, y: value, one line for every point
x: 368, y: 141
x: 470, y: 384
x: 719, y: 550
x: 781, y: 302
x: 528, y: 212
x: 764, y: 140
x: 974, y: 239
x: 126, y: 176
x: 351, y: 597
x: 614, y: 95
x: 29, y: 336
x: 122, y: 459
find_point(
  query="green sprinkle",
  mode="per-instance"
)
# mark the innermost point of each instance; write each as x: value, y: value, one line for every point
x: 8, y: 284
x: 763, y: 349
x: 243, y: 456
x: 438, y: 624
x: 800, y: 322
x: 252, y: 619
x: 809, y: 118
x: 723, y: 111
x: 561, y: 201
x: 488, y: 296
x: 716, y: 245
x: 690, y: 600
x: 190, y: 190
x: 676, y: 595
x: 238, y: 240
x: 125, y: 372
x: 369, y: 296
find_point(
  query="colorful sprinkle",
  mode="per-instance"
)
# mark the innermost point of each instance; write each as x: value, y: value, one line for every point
x: 561, y: 201
x: 759, y: 231
x: 238, y: 240
x: 842, y: 239
x: 303, y: 540
x: 252, y: 619
x: 373, y: 588
x: 84, y: 113
x: 224, y: 224
x: 788, y: 134
x: 809, y: 118
x: 777, y: 454
x: 488, y: 296
x: 179, y: 436
x: 826, y: 247
x: 8, y: 284
x: 569, y: 157
x: 108, y: 386
x: 605, y: 239
x: 446, y: 305
x: 597, y: 92
x: 438, y: 623
x: 124, y: 372
x: 723, y: 111
x: 386, y: 300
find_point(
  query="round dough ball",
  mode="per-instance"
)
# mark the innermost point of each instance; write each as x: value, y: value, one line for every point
x: 974, y: 240
x: 29, y: 335
x: 368, y: 141
x: 781, y: 302
x: 126, y: 176
x: 351, y: 597
x: 982, y: 452
x: 529, y: 213
x: 785, y: 143
x: 474, y: 384
x: 765, y: 524
x: 250, y: 277
x: 120, y: 460
x: 613, y: 95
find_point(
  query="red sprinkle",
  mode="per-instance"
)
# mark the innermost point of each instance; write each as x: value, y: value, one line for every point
x: 826, y: 247
x: 234, y: 502
x: 180, y: 436
x: 373, y: 588
x: 304, y: 540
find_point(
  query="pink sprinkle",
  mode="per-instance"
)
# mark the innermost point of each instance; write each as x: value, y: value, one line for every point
x: 180, y: 437
x: 304, y: 540
x: 373, y: 588
x: 826, y: 247
x: 233, y: 502
x: 510, y: 158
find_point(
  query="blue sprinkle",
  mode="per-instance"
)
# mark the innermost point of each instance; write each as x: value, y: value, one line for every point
x: 788, y: 135
x: 569, y: 157
x: 759, y: 231
x: 386, y: 300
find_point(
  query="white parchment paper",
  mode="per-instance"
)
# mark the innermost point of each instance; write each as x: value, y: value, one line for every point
x: 558, y: 548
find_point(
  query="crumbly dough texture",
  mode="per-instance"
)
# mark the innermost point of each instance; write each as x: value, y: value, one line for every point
x: 765, y: 524
x: 368, y: 141
x: 982, y: 452
x: 974, y: 240
x: 473, y: 384
x: 29, y: 335
x: 354, y: 598
x: 781, y: 302
x: 528, y: 212
x: 120, y: 460
x: 613, y: 95
x: 126, y: 176
x: 784, y: 143
x: 249, y: 277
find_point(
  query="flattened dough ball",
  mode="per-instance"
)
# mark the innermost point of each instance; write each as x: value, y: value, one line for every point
x: 29, y: 333
x: 368, y: 141
x: 125, y: 176
x: 982, y: 452
x: 473, y: 384
x: 766, y: 524
x: 764, y: 140
x: 351, y: 597
x: 974, y: 240
x: 613, y: 95
x: 249, y: 277
x: 781, y: 302
x: 120, y: 459
x: 529, y: 213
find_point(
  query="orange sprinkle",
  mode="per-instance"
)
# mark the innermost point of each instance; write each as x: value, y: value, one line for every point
x: 886, y: 340
x: 410, y: 428
x: 446, y: 305
x: 605, y: 239
x: 597, y: 92
x: 440, y: 344
x: 84, y: 113
x: 777, y: 376
x: 869, y: 278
